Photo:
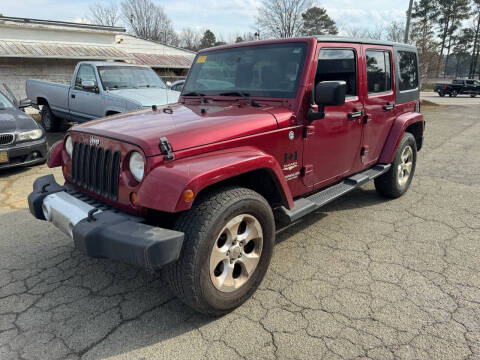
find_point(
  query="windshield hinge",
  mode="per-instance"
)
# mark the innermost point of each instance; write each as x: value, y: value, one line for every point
x: 166, y: 149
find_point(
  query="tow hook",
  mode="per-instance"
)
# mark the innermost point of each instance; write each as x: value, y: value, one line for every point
x: 166, y: 149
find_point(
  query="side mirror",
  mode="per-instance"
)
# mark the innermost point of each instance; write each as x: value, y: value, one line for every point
x: 327, y: 93
x: 330, y: 93
x: 169, y: 84
x: 88, y: 85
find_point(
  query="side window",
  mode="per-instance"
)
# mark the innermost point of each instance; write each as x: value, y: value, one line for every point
x: 85, y: 73
x: 338, y: 64
x: 408, y: 70
x: 379, y: 71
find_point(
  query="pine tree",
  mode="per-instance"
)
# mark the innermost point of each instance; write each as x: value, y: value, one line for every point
x: 208, y: 39
x: 317, y: 22
x: 424, y: 15
x: 452, y: 13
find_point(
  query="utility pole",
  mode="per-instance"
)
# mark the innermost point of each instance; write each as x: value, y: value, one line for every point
x: 407, y: 27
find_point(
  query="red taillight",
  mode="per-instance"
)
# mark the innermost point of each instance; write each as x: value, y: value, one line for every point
x: 445, y: 86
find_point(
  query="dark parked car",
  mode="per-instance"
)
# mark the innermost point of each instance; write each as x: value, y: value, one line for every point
x: 458, y: 87
x: 22, y: 140
x: 177, y: 85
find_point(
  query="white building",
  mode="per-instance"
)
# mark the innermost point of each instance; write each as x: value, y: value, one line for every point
x: 49, y: 50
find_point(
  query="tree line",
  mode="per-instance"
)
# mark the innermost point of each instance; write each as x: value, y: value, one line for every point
x: 446, y: 32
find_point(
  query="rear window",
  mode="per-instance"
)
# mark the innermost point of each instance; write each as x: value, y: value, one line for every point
x: 379, y: 74
x: 408, y: 71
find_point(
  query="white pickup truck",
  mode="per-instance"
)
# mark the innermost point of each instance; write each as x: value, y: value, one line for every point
x: 98, y: 89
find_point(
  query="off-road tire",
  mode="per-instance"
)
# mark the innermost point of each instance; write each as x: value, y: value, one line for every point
x: 189, y: 277
x: 49, y: 121
x: 387, y: 184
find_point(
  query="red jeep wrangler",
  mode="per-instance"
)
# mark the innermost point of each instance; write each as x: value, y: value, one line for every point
x: 264, y: 133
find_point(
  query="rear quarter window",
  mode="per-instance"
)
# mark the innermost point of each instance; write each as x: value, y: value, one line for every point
x: 408, y: 70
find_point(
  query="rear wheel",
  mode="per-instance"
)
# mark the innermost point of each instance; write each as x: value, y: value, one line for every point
x: 49, y: 122
x: 442, y: 94
x: 396, y: 181
x: 473, y: 95
x: 229, y: 239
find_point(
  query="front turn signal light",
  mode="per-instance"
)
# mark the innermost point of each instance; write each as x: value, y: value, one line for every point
x: 188, y: 195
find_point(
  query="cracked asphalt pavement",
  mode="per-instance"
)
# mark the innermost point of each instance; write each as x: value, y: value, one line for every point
x: 365, y: 278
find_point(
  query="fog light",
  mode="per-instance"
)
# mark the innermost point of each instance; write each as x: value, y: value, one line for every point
x: 133, y: 197
x: 188, y: 195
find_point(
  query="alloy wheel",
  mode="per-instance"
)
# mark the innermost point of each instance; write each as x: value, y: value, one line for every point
x: 236, y: 253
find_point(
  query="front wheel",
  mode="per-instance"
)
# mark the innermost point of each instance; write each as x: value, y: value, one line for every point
x: 229, y: 240
x: 49, y: 121
x: 396, y: 181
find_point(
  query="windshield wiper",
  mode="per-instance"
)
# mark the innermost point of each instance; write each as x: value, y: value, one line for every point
x: 242, y: 94
x: 193, y: 93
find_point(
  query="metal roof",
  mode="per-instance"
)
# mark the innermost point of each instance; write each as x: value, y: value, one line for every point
x: 164, y: 61
x: 24, y: 49
x: 62, y: 23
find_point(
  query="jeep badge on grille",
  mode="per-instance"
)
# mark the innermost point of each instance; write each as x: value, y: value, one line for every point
x: 94, y: 141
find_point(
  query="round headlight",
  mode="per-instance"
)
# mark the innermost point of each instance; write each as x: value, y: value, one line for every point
x: 69, y: 145
x: 136, y: 165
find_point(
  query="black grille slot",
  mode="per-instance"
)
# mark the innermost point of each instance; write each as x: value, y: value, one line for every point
x: 6, y: 139
x: 96, y: 169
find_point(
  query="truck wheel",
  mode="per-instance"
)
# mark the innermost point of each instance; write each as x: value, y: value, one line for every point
x: 49, y: 121
x: 473, y: 95
x: 454, y: 93
x: 441, y: 94
x: 229, y: 240
x: 395, y: 182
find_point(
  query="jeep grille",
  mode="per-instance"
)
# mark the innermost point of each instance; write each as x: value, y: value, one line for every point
x: 96, y: 169
x: 6, y: 139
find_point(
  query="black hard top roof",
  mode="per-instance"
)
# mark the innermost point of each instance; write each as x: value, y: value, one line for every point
x: 331, y: 38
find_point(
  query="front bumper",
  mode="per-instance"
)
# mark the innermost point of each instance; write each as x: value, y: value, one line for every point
x: 101, y: 231
x: 25, y: 154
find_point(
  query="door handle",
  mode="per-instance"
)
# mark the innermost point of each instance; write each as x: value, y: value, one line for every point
x: 355, y: 114
x: 388, y: 107
x: 72, y: 96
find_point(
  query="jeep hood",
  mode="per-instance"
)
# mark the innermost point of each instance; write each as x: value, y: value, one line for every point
x: 185, y: 126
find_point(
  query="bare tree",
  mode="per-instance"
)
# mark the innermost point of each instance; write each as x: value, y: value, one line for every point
x: 149, y: 21
x: 396, y: 32
x: 281, y: 18
x: 106, y: 15
x: 190, y: 39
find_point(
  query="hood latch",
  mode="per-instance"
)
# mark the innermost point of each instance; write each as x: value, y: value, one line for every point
x: 166, y: 149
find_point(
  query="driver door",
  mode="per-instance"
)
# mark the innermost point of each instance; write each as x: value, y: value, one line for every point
x: 332, y: 144
x: 85, y: 104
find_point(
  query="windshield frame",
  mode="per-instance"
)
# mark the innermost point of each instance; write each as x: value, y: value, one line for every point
x: 301, y: 76
x: 125, y: 66
x: 9, y: 102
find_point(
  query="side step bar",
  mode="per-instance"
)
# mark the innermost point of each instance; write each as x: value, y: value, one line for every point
x: 306, y: 205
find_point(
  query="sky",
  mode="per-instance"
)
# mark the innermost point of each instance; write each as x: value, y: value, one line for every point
x: 223, y: 17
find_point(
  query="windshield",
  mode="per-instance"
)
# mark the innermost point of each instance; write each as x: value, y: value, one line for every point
x: 259, y: 70
x: 4, y: 102
x: 128, y: 77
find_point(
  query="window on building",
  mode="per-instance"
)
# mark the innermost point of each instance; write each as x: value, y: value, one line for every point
x: 85, y: 73
x: 408, y: 76
x: 379, y: 71
x: 338, y: 65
